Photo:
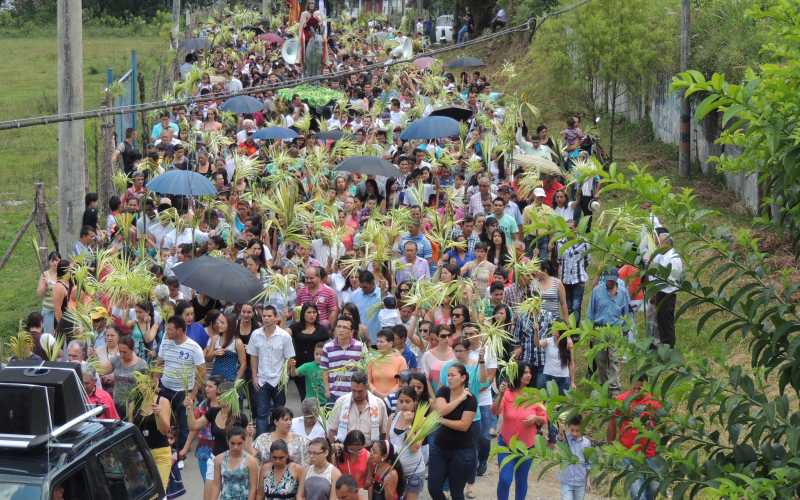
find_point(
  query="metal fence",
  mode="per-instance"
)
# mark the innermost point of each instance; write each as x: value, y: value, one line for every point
x: 128, y: 96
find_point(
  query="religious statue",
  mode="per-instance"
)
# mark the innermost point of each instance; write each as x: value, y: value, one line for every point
x: 313, y: 40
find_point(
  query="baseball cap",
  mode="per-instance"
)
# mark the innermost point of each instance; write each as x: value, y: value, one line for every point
x: 539, y: 192
x: 161, y: 291
x: 610, y: 274
x: 98, y: 312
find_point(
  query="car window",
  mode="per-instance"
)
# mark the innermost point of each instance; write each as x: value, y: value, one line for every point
x: 126, y: 470
x: 20, y: 491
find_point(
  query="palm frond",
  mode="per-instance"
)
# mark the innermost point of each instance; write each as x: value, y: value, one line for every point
x: 247, y: 168
x: 20, y: 346
x: 495, y: 337
x: 52, y: 350
x: 120, y: 180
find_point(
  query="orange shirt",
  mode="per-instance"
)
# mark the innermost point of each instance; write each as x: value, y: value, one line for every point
x: 628, y: 274
x: 382, y: 373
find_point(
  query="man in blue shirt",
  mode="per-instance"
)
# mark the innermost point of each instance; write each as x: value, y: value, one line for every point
x: 365, y: 299
x: 424, y: 248
x: 610, y: 306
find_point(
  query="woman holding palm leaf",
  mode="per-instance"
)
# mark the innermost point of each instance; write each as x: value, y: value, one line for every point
x: 410, y: 456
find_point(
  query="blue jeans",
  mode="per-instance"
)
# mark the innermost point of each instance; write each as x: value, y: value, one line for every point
x: 449, y: 465
x: 572, y: 492
x: 488, y: 420
x: 510, y: 472
x: 642, y: 488
x: 48, y: 320
x: 543, y: 245
x: 267, y: 399
x: 475, y: 436
x: 463, y: 34
x: 575, y: 299
x: 562, y: 383
x: 538, y: 377
x: 203, y: 453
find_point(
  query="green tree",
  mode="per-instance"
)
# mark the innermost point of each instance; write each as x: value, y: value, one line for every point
x: 761, y: 115
x: 726, y: 430
x: 611, y: 48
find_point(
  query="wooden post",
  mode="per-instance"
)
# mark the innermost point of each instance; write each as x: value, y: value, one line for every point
x: 105, y: 186
x: 684, y: 151
x: 176, y: 22
x: 15, y: 241
x: 71, y: 143
x: 40, y: 221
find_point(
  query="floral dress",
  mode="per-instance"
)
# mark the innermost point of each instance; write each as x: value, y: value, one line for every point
x: 285, y: 488
x: 298, y: 448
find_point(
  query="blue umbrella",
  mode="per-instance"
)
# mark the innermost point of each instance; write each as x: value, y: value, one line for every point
x: 432, y: 127
x: 333, y: 135
x: 183, y: 183
x: 242, y: 104
x: 272, y: 133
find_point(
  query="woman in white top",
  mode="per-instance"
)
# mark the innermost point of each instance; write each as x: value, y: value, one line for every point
x: 320, y: 476
x: 559, y: 364
x: 562, y: 205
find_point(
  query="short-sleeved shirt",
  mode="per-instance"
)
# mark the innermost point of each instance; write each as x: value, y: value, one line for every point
x: 313, y: 375
x: 334, y: 357
x: 272, y: 352
x: 123, y: 377
x: 180, y: 360
x: 324, y: 298
x: 513, y: 417
x: 509, y: 228
x: 474, y: 386
x: 448, y: 438
x: 644, y: 407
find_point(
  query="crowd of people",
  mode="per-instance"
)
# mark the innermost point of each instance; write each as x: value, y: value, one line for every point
x: 400, y: 297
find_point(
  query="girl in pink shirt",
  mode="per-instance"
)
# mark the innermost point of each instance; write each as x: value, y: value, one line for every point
x: 520, y: 422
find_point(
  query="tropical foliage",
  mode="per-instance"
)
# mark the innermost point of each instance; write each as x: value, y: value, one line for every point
x: 728, y: 427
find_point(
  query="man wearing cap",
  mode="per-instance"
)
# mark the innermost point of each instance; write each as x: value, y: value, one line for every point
x: 537, y: 212
x: 308, y: 425
x: 609, y: 307
x: 666, y: 262
x: 99, y: 316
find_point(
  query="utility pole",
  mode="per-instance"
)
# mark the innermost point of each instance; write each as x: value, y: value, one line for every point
x: 685, y: 155
x: 71, y: 153
x: 176, y: 22
x: 266, y: 8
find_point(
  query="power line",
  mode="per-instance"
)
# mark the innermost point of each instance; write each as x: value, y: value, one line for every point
x: 529, y: 25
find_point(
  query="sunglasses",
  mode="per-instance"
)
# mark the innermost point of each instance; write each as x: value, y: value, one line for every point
x: 444, y: 335
x: 457, y: 315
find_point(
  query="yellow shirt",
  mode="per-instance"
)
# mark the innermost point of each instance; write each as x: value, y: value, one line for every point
x: 533, y: 213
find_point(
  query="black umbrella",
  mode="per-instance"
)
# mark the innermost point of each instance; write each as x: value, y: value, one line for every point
x: 465, y: 62
x: 334, y: 135
x: 255, y: 29
x: 192, y: 44
x: 369, y: 165
x: 220, y: 279
x: 456, y: 113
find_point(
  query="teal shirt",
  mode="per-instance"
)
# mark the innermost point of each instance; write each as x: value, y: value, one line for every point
x: 474, y: 381
x: 509, y: 227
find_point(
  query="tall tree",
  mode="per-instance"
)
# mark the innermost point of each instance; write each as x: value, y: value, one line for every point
x: 614, y: 48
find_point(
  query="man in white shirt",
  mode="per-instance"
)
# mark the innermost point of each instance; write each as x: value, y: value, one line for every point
x: 665, y: 298
x: 182, y: 362
x: 477, y: 199
x: 234, y: 84
x: 396, y: 116
x: 270, y: 348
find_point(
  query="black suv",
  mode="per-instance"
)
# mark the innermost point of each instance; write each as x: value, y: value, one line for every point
x: 52, y: 446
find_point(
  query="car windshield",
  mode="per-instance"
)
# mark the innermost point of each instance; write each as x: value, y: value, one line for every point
x: 20, y: 491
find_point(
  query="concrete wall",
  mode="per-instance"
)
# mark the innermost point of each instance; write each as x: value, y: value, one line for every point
x: 662, y: 108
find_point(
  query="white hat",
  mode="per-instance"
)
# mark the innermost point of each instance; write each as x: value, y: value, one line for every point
x: 161, y: 291
x: 539, y: 192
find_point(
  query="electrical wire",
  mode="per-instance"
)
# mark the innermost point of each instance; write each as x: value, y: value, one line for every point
x: 529, y: 25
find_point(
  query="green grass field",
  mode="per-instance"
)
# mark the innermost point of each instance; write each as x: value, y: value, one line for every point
x: 29, y: 69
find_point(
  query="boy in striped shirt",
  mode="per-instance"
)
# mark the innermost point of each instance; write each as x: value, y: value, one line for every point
x: 339, y: 358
